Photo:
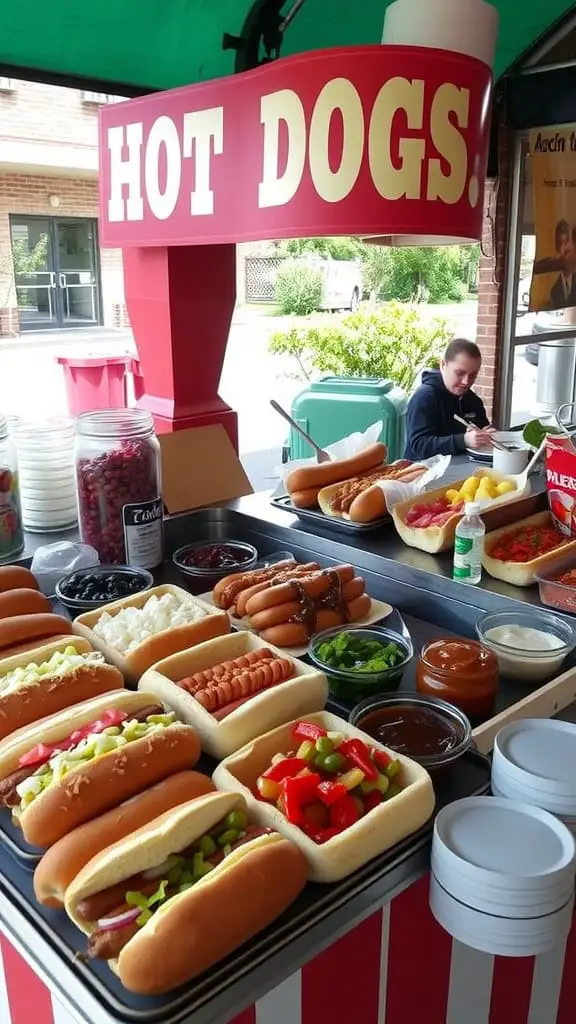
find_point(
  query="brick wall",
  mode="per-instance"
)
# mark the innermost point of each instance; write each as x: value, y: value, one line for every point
x: 48, y: 113
x: 78, y: 197
x: 491, y: 280
x: 54, y: 116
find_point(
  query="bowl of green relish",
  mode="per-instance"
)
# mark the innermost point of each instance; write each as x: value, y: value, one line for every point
x: 362, y: 661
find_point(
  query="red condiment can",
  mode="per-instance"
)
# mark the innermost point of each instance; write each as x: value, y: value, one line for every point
x: 462, y: 672
x: 119, y: 480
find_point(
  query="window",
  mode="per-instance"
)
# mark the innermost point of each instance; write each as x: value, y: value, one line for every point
x: 98, y: 98
x: 525, y: 331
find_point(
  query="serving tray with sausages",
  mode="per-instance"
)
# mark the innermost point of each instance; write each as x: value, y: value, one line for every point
x: 319, y: 518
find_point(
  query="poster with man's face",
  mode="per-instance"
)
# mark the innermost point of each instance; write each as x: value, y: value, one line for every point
x: 553, y: 165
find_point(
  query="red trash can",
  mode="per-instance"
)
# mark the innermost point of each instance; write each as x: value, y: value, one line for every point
x: 95, y: 382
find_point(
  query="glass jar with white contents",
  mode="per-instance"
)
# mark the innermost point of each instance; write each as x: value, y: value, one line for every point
x: 47, y: 479
x: 11, y: 535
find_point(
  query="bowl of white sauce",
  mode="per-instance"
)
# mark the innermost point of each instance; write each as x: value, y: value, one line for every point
x: 530, y: 645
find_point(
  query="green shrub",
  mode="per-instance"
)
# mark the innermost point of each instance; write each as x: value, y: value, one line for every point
x: 298, y: 288
x: 392, y: 342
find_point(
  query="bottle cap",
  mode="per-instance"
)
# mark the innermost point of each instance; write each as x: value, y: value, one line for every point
x: 472, y: 508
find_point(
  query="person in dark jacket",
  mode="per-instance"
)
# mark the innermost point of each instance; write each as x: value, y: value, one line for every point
x: 430, y: 425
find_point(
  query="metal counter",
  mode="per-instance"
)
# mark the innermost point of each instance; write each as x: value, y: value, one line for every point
x: 430, y: 602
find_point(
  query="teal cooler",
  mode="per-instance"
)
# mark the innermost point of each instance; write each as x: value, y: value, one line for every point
x: 334, y: 407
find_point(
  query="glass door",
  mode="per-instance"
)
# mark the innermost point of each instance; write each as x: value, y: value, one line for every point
x: 34, y: 273
x: 78, y: 283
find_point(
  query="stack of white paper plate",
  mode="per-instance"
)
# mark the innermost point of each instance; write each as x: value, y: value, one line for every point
x: 502, y: 876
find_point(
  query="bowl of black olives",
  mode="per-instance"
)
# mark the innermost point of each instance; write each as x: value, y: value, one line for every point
x: 87, y: 589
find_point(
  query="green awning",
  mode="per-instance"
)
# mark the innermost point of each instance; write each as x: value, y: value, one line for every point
x: 159, y: 44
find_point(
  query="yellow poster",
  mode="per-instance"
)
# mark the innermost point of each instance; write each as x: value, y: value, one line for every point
x: 553, y: 164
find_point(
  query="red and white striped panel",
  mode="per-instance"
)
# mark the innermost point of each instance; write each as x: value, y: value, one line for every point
x: 398, y: 967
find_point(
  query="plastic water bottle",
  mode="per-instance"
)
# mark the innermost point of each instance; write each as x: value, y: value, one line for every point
x: 469, y: 545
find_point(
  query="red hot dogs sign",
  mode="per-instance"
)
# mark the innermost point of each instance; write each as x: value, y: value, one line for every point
x: 358, y: 141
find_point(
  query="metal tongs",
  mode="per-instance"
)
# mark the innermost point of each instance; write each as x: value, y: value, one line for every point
x: 321, y: 455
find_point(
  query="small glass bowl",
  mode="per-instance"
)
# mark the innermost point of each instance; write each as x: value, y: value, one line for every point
x: 454, y: 721
x: 77, y: 605
x: 521, y: 662
x: 353, y: 686
x: 204, y: 578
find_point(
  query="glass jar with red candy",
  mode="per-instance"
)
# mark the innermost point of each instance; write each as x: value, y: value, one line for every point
x: 118, y: 474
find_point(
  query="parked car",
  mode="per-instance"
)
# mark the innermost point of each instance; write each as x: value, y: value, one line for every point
x: 341, y: 283
x: 543, y: 324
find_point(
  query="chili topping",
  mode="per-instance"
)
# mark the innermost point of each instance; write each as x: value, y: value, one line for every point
x: 350, y: 489
x: 527, y: 543
x: 331, y: 598
x: 568, y: 579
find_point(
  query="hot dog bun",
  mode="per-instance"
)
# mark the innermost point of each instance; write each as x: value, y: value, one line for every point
x: 23, y: 629
x: 160, y: 644
x: 196, y: 928
x: 98, y: 785
x: 63, y: 861
x: 14, y: 576
x: 23, y: 701
x: 23, y: 601
x: 362, y: 500
x: 307, y: 481
x: 306, y: 690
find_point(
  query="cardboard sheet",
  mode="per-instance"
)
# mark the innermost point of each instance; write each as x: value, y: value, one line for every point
x: 200, y: 467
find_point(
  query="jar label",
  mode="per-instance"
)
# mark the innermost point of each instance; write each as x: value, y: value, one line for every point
x: 143, y: 533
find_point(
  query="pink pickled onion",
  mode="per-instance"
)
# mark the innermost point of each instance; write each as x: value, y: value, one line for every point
x: 120, y: 921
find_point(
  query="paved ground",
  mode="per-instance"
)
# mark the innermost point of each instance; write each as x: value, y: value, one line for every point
x: 32, y: 382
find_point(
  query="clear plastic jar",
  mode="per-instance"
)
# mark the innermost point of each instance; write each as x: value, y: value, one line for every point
x: 11, y: 534
x: 119, y: 481
x: 47, y: 474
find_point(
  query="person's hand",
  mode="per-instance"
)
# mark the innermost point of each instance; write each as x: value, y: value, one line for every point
x: 489, y: 430
x: 477, y: 438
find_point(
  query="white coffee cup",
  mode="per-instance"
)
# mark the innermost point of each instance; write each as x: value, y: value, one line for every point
x: 510, y: 463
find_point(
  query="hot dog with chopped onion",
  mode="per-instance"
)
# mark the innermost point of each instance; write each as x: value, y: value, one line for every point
x: 49, y: 679
x: 64, y: 861
x: 68, y: 768
x: 150, y: 902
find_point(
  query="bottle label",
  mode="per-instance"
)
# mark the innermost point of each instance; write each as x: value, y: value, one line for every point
x: 143, y: 537
x: 463, y: 545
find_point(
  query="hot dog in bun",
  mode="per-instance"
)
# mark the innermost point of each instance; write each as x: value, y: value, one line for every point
x: 182, y: 892
x: 49, y: 679
x: 70, y: 767
x: 63, y: 861
x: 361, y: 499
x: 304, y: 484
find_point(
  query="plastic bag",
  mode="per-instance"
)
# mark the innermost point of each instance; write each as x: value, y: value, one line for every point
x: 396, y: 491
x: 53, y: 561
x: 346, y: 448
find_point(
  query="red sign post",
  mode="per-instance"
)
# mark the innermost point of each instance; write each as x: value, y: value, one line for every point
x: 377, y: 140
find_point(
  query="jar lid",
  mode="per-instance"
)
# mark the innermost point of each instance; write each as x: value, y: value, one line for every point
x: 456, y: 655
x: 113, y: 423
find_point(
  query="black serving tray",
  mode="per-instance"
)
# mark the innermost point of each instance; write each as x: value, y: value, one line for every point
x: 318, y: 518
x: 469, y: 777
